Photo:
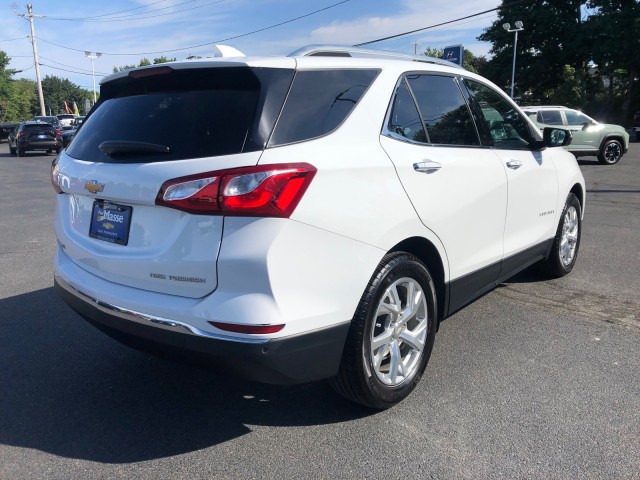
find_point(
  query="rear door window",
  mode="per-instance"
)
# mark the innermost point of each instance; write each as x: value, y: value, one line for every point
x: 319, y: 101
x: 444, y: 110
x: 550, y: 117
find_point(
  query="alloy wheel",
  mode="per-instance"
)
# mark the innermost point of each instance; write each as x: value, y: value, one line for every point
x: 400, y: 331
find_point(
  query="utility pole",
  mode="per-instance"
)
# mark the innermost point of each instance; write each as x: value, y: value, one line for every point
x: 36, y: 62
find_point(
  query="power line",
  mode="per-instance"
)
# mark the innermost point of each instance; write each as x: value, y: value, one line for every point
x: 114, y: 13
x: 437, y: 25
x: 12, y: 39
x: 65, y: 70
x: 209, y: 43
x: 71, y: 66
x: 134, y: 16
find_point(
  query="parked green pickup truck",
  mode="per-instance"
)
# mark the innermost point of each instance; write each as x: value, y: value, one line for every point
x: 608, y: 142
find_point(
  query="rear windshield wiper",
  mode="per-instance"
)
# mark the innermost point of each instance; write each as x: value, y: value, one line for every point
x: 123, y: 147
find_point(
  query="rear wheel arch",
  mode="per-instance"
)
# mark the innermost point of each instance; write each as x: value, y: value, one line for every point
x: 429, y: 255
x: 578, y: 191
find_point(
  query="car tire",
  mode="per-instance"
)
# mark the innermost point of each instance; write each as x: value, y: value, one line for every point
x: 389, y: 342
x: 12, y: 150
x: 610, y: 152
x: 58, y: 150
x: 21, y: 152
x: 566, y: 243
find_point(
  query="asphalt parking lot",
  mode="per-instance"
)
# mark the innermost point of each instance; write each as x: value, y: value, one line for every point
x: 537, y: 379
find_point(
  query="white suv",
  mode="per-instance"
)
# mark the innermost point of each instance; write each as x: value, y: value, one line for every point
x: 315, y: 216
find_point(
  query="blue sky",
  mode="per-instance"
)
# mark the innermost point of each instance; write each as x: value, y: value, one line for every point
x: 151, y: 28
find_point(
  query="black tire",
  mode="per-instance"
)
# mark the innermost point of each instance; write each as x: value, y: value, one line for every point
x: 21, y: 152
x: 610, y: 152
x: 58, y: 150
x: 358, y: 379
x: 564, y: 251
x: 12, y: 150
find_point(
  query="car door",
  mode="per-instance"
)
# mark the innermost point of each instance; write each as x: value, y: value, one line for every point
x: 531, y: 176
x: 457, y: 187
x: 586, y: 133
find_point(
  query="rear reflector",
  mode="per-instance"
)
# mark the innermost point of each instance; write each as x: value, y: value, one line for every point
x: 250, y: 329
x: 260, y: 191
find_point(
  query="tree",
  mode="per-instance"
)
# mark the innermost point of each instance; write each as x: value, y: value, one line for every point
x: 143, y: 63
x: 553, y: 37
x: 57, y: 90
x: 16, y: 96
x: 617, y: 55
x: 163, y: 59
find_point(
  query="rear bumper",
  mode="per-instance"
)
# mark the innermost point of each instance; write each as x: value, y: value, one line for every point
x: 40, y: 145
x: 284, y: 361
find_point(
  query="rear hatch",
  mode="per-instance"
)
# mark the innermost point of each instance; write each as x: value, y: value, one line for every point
x: 38, y: 134
x: 150, y: 126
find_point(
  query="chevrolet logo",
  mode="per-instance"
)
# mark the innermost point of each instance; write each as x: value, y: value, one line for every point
x: 94, y: 187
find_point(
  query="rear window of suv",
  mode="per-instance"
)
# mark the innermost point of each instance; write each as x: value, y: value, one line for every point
x: 195, y: 113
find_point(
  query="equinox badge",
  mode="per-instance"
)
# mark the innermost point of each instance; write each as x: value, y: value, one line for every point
x: 94, y: 187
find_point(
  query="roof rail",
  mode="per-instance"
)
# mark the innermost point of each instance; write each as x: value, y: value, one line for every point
x: 348, y: 51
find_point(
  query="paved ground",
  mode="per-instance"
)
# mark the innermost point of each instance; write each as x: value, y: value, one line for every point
x: 537, y: 379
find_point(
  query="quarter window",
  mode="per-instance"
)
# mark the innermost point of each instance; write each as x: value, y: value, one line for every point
x: 318, y: 102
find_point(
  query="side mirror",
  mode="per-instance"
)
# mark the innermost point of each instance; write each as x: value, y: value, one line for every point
x: 556, y: 137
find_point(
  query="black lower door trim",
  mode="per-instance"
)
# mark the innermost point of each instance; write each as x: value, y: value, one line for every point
x: 466, y: 289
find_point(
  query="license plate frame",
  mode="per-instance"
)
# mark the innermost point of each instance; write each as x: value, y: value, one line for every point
x: 110, y: 222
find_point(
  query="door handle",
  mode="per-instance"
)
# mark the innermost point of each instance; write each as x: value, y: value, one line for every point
x: 427, y: 167
x: 514, y: 164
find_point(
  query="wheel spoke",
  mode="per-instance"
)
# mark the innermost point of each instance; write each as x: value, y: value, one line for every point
x: 395, y: 360
x: 381, y: 340
x: 415, y: 338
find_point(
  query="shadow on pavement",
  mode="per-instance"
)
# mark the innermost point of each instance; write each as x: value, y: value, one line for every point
x: 69, y: 390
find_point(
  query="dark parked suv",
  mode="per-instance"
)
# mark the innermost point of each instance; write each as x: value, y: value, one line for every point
x: 34, y: 136
x: 6, y: 128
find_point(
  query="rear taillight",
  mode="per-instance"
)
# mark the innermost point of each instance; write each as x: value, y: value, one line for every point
x: 55, y: 176
x: 261, y: 191
x: 22, y: 134
x: 58, y: 133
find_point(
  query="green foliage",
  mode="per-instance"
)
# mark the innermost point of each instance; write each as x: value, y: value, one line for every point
x: 16, y: 96
x: 58, y: 90
x: 143, y: 63
x: 163, y: 59
x: 570, y: 92
x: 556, y: 47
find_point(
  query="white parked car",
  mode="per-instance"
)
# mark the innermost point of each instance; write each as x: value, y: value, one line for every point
x: 317, y: 217
x: 66, y: 120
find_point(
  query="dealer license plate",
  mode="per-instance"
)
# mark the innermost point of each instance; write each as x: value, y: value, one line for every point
x: 110, y: 222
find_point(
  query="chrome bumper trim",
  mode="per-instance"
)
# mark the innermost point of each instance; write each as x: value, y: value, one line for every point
x: 151, y: 320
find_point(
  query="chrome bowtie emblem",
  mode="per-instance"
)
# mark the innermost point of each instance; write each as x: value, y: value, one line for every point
x: 94, y: 187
